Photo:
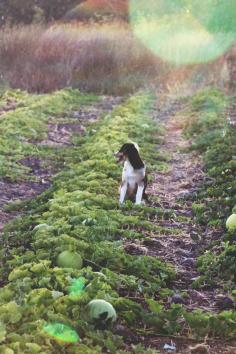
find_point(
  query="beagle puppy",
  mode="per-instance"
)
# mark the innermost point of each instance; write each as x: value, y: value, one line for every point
x: 134, y: 179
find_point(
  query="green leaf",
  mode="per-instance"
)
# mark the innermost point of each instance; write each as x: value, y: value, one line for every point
x: 154, y: 306
x: 10, y: 313
x: 2, y: 332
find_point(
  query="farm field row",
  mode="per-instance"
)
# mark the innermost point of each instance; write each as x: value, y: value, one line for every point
x: 211, y: 126
x: 79, y: 213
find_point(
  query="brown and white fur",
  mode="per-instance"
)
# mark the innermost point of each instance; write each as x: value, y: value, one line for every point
x: 134, y: 179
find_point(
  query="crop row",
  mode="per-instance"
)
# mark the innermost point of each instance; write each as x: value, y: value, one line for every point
x: 214, y: 134
x: 80, y: 214
x: 24, y: 122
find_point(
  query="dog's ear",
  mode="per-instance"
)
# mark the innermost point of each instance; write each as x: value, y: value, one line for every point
x: 129, y: 147
x: 131, y: 144
x: 136, y: 146
x: 124, y: 148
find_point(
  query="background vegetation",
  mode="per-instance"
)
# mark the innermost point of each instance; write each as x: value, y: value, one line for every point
x: 103, y: 58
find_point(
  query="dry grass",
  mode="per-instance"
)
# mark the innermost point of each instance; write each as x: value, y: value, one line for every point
x: 104, y: 58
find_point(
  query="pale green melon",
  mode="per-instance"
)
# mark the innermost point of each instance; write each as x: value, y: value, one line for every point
x: 101, y: 313
x: 68, y: 259
x: 231, y: 222
x: 41, y: 227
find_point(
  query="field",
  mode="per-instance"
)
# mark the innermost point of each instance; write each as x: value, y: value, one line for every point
x: 70, y: 96
x: 122, y: 248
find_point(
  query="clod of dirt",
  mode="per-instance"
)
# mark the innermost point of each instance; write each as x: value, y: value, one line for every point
x: 177, y: 299
x: 153, y: 242
x: 224, y: 303
x: 132, y: 248
x: 10, y: 105
x: 195, y: 237
x: 126, y: 333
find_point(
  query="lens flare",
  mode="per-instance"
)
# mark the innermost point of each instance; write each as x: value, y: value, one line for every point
x: 77, y: 288
x: 185, y: 31
x: 62, y: 333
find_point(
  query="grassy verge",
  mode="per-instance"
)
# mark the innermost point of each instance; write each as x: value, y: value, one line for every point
x: 215, y: 136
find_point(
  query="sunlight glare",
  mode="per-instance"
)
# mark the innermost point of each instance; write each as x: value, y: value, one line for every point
x: 185, y: 31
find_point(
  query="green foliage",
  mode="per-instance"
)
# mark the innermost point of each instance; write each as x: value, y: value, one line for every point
x: 81, y: 214
x: 215, y: 137
x: 27, y: 123
x: 197, y: 323
x: 199, y: 212
x: 219, y: 262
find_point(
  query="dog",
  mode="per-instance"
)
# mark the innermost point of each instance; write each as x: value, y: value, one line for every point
x: 134, y: 178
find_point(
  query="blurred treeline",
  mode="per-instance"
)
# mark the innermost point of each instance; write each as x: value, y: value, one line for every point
x: 44, y: 11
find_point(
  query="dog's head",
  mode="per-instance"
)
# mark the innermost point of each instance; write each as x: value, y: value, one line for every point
x: 127, y: 150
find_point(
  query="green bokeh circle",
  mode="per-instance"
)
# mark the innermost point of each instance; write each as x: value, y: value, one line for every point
x: 185, y: 31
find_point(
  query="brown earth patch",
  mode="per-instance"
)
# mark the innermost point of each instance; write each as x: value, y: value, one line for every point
x: 20, y: 191
x: 60, y: 134
x: 182, y: 345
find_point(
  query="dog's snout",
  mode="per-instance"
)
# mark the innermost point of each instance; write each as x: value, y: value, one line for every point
x: 118, y: 154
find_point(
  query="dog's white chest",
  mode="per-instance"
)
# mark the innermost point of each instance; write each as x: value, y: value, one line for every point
x: 131, y: 175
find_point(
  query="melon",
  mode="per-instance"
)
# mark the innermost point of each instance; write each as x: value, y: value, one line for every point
x: 41, y: 227
x: 101, y: 313
x: 231, y: 222
x: 68, y: 259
